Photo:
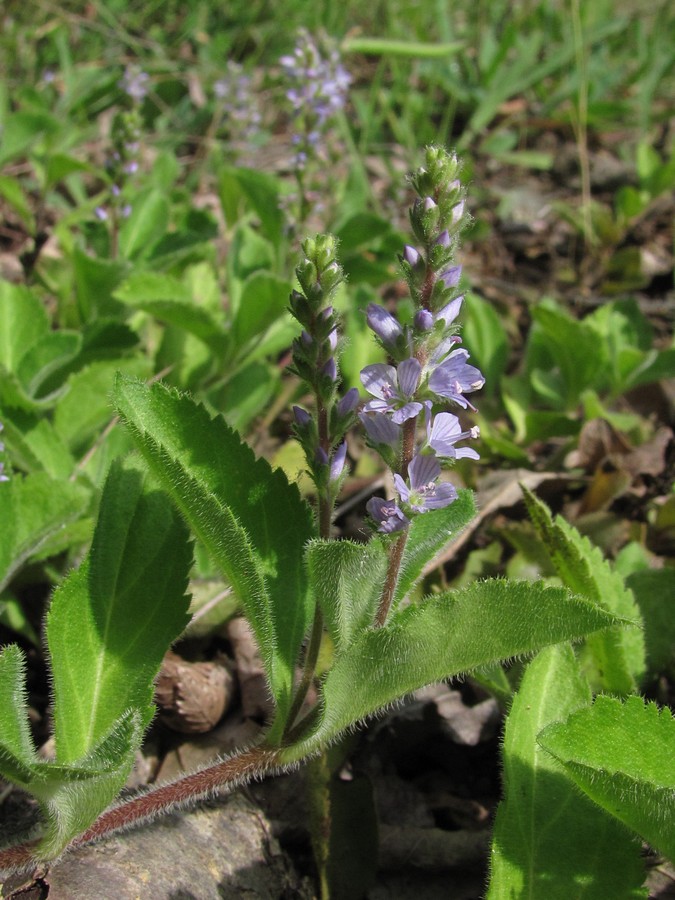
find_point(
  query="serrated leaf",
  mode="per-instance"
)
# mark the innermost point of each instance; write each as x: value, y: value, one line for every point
x: 428, y: 535
x: 251, y: 520
x: 444, y: 636
x: 33, y: 510
x: 549, y: 840
x: 346, y: 580
x: 111, y: 621
x: 621, y: 755
x: 615, y: 659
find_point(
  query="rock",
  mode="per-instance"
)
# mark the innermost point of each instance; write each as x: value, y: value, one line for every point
x: 224, y: 849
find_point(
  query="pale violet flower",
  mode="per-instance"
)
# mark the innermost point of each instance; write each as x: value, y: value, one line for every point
x: 393, y: 388
x: 380, y: 428
x: 387, y: 514
x: 424, y: 492
x: 338, y: 461
x: 134, y: 83
x: 385, y: 326
x: 444, y: 431
x: 453, y: 378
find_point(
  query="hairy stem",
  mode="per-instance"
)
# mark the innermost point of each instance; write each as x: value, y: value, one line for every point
x: 229, y: 773
x: 395, y: 558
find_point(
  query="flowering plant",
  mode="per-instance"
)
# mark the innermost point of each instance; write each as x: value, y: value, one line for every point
x: 111, y: 621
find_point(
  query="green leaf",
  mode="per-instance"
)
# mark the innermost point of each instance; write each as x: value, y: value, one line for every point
x: 95, y: 281
x: 549, y: 840
x: 21, y: 130
x: 615, y: 659
x: 73, y: 797
x: 169, y: 300
x: 33, y: 510
x: 428, y: 535
x: 562, y: 345
x: 84, y: 411
x: 264, y: 298
x: 346, y: 579
x: 13, y: 193
x: 51, y: 352
x: 484, y: 333
x: 35, y: 445
x: 15, y: 739
x: 655, y: 595
x: 621, y: 755
x: 111, y: 621
x: 250, y: 519
x: 23, y: 321
x: 145, y: 226
x: 445, y: 636
x: 262, y: 191
x: 246, y: 394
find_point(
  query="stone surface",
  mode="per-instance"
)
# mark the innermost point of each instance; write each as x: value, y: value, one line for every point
x: 222, y: 851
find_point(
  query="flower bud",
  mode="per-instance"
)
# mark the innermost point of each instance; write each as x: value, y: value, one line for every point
x: 424, y: 320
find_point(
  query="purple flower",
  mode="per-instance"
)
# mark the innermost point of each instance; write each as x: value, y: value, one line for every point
x: 387, y: 514
x: 239, y: 103
x: 319, y: 85
x: 385, y: 326
x: 101, y: 213
x: 444, y: 432
x: 424, y: 492
x: 330, y: 369
x: 450, y: 276
x: 450, y: 311
x: 134, y: 83
x: 411, y: 256
x: 380, y: 429
x: 454, y: 377
x: 338, y: 461
x: 302, y: 417
x: 348, y: 403
x: 393, y: 388
x: 424, y: 320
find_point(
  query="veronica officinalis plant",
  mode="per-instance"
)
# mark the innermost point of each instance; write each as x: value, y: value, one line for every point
x: 298, y: 586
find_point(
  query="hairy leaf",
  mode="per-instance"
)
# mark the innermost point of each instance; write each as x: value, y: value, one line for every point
x: 251, y: 520
x: 621, y: 755
x: 444, y: 636
x: 346, y: 579
x: 615, y: 659
x: 111, y: 622
x: 549, y: 840
x: 16, y: 745
x: 428, y: 535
